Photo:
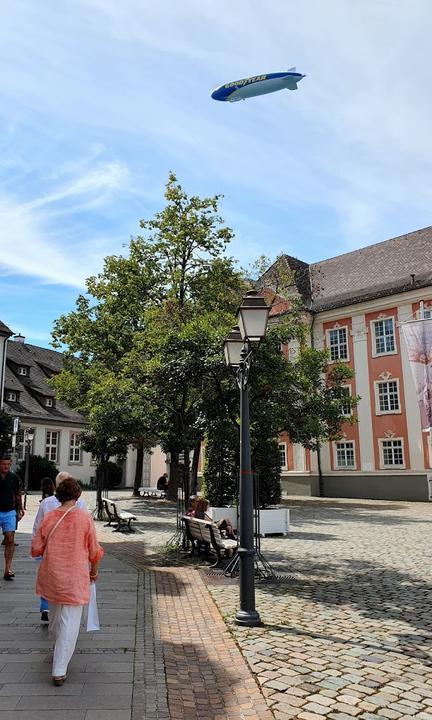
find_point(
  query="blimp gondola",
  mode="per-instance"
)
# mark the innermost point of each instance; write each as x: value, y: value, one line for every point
x: 257, y: 85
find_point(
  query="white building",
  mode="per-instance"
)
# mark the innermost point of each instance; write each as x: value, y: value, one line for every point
x: 25, y: 393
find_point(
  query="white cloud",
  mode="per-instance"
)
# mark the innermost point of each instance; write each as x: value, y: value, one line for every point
x: 133, y: 80
x: 29, y: 245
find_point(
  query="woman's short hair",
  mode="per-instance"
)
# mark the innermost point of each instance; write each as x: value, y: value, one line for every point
x: 68, y: 489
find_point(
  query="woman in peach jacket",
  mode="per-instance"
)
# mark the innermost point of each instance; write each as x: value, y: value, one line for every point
x: 66, y: 538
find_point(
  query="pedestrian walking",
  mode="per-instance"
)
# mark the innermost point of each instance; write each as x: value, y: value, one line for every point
x: 66, y: 539
x: 11, y: 511
x: 50, y: 502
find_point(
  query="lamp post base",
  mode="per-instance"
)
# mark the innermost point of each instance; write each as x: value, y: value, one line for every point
x: 248, y: 618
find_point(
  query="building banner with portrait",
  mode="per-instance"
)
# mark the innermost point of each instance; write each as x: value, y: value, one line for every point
x: 418, y: 341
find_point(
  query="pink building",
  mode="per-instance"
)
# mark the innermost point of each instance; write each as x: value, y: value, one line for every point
x: 356, y: 303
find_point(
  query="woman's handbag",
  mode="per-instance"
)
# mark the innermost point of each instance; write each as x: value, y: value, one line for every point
x: 92, y: 610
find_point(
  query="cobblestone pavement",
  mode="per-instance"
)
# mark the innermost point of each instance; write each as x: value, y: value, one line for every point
x: 351, y: 635
x: 346, y: 634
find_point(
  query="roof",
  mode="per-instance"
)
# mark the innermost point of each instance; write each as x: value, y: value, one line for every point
x: 4, y: 330
x: 385, y: 268
x: 33, y: 388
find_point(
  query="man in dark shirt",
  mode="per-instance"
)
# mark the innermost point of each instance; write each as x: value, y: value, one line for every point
x: 11, y: 511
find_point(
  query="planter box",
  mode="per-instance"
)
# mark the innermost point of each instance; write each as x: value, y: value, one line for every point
x: 274, y: 521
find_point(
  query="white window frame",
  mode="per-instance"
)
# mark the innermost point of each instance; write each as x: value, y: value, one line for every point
x: 49, y: 446
x: 335, y: 455
x: 283, y: 446
x: 427, y: 314
x: 21, y: 446
x: 381, y: 453
x: 22, y: 370
x: 373, y: 333
x: 337, y: 329
x: 378, y: 410
x: 9, y: 397
x: 349, y: 388
x: 74, y: 446
x: 49, y: 402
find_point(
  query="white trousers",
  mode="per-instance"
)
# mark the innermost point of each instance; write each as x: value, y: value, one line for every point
x: 64, y: 626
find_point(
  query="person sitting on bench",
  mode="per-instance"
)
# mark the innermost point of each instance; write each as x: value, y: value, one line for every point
x: 198, y: 509
x: 162, y: 483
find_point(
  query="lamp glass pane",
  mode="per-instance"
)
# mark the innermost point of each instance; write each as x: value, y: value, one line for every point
x: 253, y: 322
x: 233, y: 352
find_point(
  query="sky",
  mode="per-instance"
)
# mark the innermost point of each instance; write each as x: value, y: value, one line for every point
x: 100, y: 99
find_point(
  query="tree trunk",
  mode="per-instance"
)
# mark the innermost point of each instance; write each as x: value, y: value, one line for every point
x: 174, y: 476
x: 138, y: 468
x: 320, y: 475
x: 194, y: 471
x: 100, y: 482
x: 186, y: 477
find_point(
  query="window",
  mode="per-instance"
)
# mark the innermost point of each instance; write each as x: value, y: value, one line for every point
x: 74, y: 448
x: 283, y: 455
x: 384, y: 336
x: 392, y: 453
x: 22, y: 370
x: 11, y: 396
x: 387, y: 396
x: 338, y: 344
x: 52, y: 445
x: 345, y: 454
x: 20, y: 448
x: 293, y: 354
x: 49, y: 402
x: 346, y: 407
x: 427, y: 314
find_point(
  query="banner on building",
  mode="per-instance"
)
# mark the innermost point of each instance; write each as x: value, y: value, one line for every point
x: 418, y: 341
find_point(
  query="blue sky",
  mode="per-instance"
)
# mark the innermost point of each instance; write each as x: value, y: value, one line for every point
x: 99, y: 99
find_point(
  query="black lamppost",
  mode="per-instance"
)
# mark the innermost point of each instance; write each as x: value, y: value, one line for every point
x: 238, y: 347
x: 28, y: 440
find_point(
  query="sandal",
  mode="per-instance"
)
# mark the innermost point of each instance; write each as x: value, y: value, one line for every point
x: 8, y: 576
x: 59, y: 680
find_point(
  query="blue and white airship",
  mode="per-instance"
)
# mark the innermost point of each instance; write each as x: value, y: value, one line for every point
x: 257, y: 85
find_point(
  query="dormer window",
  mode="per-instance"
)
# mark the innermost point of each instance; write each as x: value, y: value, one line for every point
x: 11, y: 396
x: 49, y: 402
x: 22, y: 370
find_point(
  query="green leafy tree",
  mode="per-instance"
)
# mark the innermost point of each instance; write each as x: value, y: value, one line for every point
x: 148, y: 322
x: 6, y: 426
x: 39, y: 467
x: 302, y: 398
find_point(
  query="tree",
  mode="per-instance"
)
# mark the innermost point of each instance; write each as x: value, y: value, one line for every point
x: 148, y: 322
x: 6, y: 426
x: 302, y: 398
x: 39, y: 467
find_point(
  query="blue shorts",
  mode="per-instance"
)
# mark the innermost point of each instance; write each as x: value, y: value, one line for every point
x: 8, y: 521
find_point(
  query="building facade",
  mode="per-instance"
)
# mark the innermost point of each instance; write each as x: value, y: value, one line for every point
x: 26, y: 394
x: 355, y: 304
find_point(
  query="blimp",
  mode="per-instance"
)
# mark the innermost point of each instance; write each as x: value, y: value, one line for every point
x: 257, y: 85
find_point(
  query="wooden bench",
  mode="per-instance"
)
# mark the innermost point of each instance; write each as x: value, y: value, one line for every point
x: 204, y: 532
x: 121, y: 518
x: 152, y: 492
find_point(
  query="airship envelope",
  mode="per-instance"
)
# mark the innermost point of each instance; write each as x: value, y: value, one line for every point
x: 257, y: 85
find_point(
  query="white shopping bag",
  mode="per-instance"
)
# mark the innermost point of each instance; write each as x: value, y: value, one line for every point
x: 92, y: 610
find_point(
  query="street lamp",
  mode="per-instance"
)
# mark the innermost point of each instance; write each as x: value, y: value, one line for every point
x: 29, y: 434
x: 252, y: 316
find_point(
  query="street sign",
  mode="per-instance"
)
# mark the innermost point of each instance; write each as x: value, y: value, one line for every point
x: 16, y: 424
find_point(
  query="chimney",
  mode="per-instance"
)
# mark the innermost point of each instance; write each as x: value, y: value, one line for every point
x: 19, y: 338
x: 412, y: 279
